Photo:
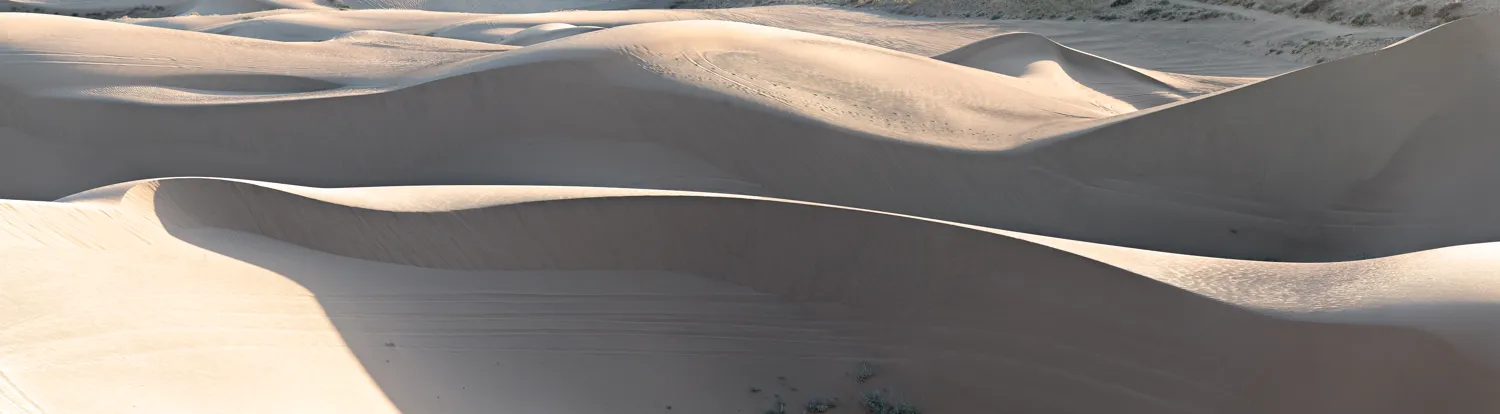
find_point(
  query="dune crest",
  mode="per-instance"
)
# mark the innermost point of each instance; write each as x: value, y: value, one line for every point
x: 737, y: 108
x: 993, y: 299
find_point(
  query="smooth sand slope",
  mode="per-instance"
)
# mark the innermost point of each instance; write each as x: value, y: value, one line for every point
x: 1318, y: 164
x: 212, y: 295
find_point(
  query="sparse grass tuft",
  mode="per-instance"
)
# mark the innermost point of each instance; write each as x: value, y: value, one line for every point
x: 880, y: 402
x: 822, y: 405
x: 864, y: 370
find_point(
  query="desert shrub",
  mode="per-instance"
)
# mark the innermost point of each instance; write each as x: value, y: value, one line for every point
x: 1449, y: 11
x: 1313, y: 6
x: 1362, y: 19
x: 880, y: 402
x: 822, y: 405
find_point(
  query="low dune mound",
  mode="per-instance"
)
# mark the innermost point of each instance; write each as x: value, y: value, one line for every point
x: 545, y: 32
x: 1036, y: 58
x: 384, y: 299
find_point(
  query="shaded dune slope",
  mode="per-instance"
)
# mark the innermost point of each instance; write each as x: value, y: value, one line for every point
x: 1368, y: 156
x: 1453, y: 292
x: 677, y: 105
x: 955, y: 313
x: 1318, y: 164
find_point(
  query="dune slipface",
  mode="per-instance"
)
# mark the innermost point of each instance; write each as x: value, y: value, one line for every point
x: 645, y: 211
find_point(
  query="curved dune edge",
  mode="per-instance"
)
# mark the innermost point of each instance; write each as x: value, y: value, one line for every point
x: 1234, y: 174
x: 324, y: 66
x: 1099, y: 81
x: 312, y: 25
x: 952, y: 310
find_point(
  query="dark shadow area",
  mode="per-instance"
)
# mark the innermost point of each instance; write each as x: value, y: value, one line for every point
x: 246, y: 83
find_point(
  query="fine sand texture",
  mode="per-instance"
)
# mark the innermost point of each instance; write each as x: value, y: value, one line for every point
x: 296, y: 206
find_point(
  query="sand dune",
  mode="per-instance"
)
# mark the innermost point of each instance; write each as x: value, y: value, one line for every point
x: 1211, y: 50
x: 1369, y: 156
x: 507, y: 295
x: 657, y: 211
x: 706, y: 75
x: 715, y: 106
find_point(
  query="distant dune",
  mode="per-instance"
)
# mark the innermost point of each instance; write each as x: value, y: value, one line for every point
x: 294, y: 208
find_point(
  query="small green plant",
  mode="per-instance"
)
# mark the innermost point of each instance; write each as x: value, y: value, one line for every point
x: 822, y: 405
x: 864, y: 370
x: 880, y: 402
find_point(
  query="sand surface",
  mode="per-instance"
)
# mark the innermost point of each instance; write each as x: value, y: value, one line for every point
x: 297, y: 206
